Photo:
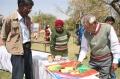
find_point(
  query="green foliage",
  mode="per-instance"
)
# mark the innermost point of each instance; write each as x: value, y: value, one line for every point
x: 71, y: 28
x: 0, y: 22
x: 45, y: 19
x: 37, y: 19
x: 78, y: 8
x: 71, y: 24
x: 1, y: 17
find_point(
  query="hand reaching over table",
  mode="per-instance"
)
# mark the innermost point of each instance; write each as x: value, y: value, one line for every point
x: 76, y: 64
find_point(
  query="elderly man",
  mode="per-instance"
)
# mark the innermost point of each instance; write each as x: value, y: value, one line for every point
x: 104, y: 45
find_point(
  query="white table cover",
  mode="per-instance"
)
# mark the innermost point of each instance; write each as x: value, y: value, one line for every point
x: 39, y: 70
x: 39, y: 63
x: 5, y: 62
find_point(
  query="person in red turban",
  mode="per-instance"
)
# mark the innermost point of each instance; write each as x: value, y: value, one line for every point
x: 58, y: 25
x: 59, y: 39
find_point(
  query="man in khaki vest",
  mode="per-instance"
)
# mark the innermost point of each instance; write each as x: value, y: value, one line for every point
x: 103, y: 43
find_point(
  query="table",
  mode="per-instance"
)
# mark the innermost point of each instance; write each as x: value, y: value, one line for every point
x: 5, y: 62
x: 41, y: 72
x: 90, y: 73
x: 46, y: 43
x: 39, y: 63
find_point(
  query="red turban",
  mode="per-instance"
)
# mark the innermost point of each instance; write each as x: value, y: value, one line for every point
x: 59, y: 23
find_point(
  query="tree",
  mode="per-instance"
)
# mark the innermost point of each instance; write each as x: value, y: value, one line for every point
x: 115, y: 10
x: 44, y: 19
x: 78, y: 8
x: 1, y: 18
x: 71, y: 24
x: 115, y: 4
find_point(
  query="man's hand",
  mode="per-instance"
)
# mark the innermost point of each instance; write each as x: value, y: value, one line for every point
x: 114, y: 66
x: 76, y: 64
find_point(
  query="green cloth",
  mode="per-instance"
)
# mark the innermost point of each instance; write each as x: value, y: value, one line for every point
x: 83, y: 68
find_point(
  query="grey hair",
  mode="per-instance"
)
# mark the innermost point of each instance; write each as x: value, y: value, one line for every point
x: 88, y: 18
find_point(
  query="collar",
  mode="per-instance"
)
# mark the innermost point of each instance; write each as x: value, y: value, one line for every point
x: 98, y: 25
x: 19, y: 17
x: 97, y: 29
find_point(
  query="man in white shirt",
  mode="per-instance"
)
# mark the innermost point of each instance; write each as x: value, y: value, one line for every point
x: 104, y: 45
x: 16, y: 33
x: 110, y: 20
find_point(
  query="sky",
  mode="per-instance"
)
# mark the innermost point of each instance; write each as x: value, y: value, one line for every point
x: 44, y: 6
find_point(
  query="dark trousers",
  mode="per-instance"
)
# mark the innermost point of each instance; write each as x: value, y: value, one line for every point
x: 22, y: 64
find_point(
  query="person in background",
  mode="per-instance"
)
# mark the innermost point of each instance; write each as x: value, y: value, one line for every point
x: 59, y: 39
x: 119, y: 61
x: 47, y: 34
x: 49, y: 29
x: 110, y: 20
x: 36, y: 35
x: 16, y: 35
x: 79, y: 33
x: 0, y: 29
x: 103, y: 43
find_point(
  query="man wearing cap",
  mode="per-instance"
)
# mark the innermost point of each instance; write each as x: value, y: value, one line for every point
x: 59, y: 39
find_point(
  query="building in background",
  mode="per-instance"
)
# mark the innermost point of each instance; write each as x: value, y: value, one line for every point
x: 35, y: 30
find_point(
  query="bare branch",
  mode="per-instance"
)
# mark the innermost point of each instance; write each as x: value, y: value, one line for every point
x: 115, y: 6
x: 114, y: 1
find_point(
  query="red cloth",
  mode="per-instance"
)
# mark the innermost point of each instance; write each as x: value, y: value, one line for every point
x: 101, y: 57
x: 26, y: 23
x: 59, y: 23
x: 47, y: 35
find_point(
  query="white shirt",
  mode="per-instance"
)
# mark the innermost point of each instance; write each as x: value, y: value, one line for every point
x: 115, y: 47
x: 25, y: 31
